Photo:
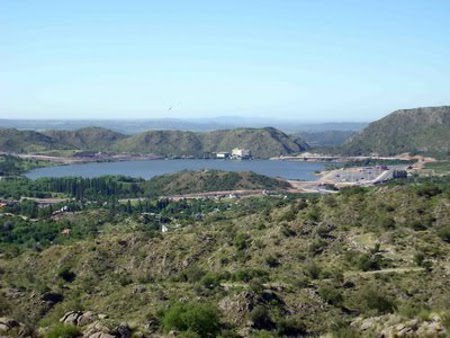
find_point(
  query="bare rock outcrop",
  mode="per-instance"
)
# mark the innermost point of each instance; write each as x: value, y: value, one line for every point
x: 394, y: 326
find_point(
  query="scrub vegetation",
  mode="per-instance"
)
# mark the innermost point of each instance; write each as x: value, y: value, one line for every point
x: 351, y: 264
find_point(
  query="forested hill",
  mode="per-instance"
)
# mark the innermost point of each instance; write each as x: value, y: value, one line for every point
x: 425, y: 130
x: 263, y: 142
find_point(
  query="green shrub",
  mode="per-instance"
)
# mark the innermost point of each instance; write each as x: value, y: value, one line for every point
x: 371, y: 298
x: 66, y: 274
x: 330, y: 200
x: 261, y: 318
x: 290, y: 327
x: 323, y: 230
x: 367, y: 262
x: 202, y: 319
x: 124, y: 279
x: 189, y: 334
x: 345, y: 332
x: 63, y: 331
x: 246, y: 275
x: 241, y: 241
x: 317, y: 247
x: 428, y: 191
x: 313, y: 270
x: 229, y: 333
x: 5, y: 307
x: 313, y: 215
x: 272, y: 261
x: 287, y: 231
x: 418, y: 225
x: 444, y: 233
x: 289, y: 215
x: 419, y: 258
x: 210, y: 281
x: 263, y: 334
x: 412, y: 310
x: 193, y: 274
x: 386, y: 222
x: 331, y: 295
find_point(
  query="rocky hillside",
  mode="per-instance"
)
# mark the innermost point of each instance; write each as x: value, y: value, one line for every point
x: 424, y: 130
x: 15, y: 141
x: 264, y: 143
x: 188, y: 182
x: 361, y: 263
x: 327, y: 138
x: 91, y: 138
x: 162, y: 142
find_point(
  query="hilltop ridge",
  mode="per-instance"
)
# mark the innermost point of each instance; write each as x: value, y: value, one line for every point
x: 263, y: 142
x: 89, y: 138
x: 424, y: 130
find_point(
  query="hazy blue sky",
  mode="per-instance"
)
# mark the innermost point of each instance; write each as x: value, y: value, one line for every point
x: 309, y: 60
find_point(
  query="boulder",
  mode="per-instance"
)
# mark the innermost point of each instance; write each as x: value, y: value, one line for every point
x: 71, y: 317
x: 122, y: 331
x: 7, y: 324
x: 239, y: 305
x: 394, y: 326
x: 95, y: 329
x: 79, y: 318
x: 86, y: 318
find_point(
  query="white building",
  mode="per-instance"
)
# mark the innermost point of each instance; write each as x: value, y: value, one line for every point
x: 223, y: 155
x: 241, y: 154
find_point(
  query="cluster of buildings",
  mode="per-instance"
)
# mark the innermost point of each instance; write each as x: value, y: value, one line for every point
x: 236, y: 154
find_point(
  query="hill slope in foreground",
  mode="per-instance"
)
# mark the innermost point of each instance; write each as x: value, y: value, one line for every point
x: 425, y: 130
x: 263, y: 142
x: 358, y: 263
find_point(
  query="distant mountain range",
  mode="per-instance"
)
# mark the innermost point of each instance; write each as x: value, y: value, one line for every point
x: 423, y: 130
x: 263, y: 142
x: 326, y: 138
x: 419, y: 130
x: 127, y: 126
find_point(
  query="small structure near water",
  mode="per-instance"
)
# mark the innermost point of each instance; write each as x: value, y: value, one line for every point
x: 224, y: 155
x: 236, y: 154
x: 241, y: 154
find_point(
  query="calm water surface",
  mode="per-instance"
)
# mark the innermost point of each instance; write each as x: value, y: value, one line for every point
x: 148, y: 169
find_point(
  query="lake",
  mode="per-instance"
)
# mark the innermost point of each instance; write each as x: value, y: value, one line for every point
x: 147, y: 169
